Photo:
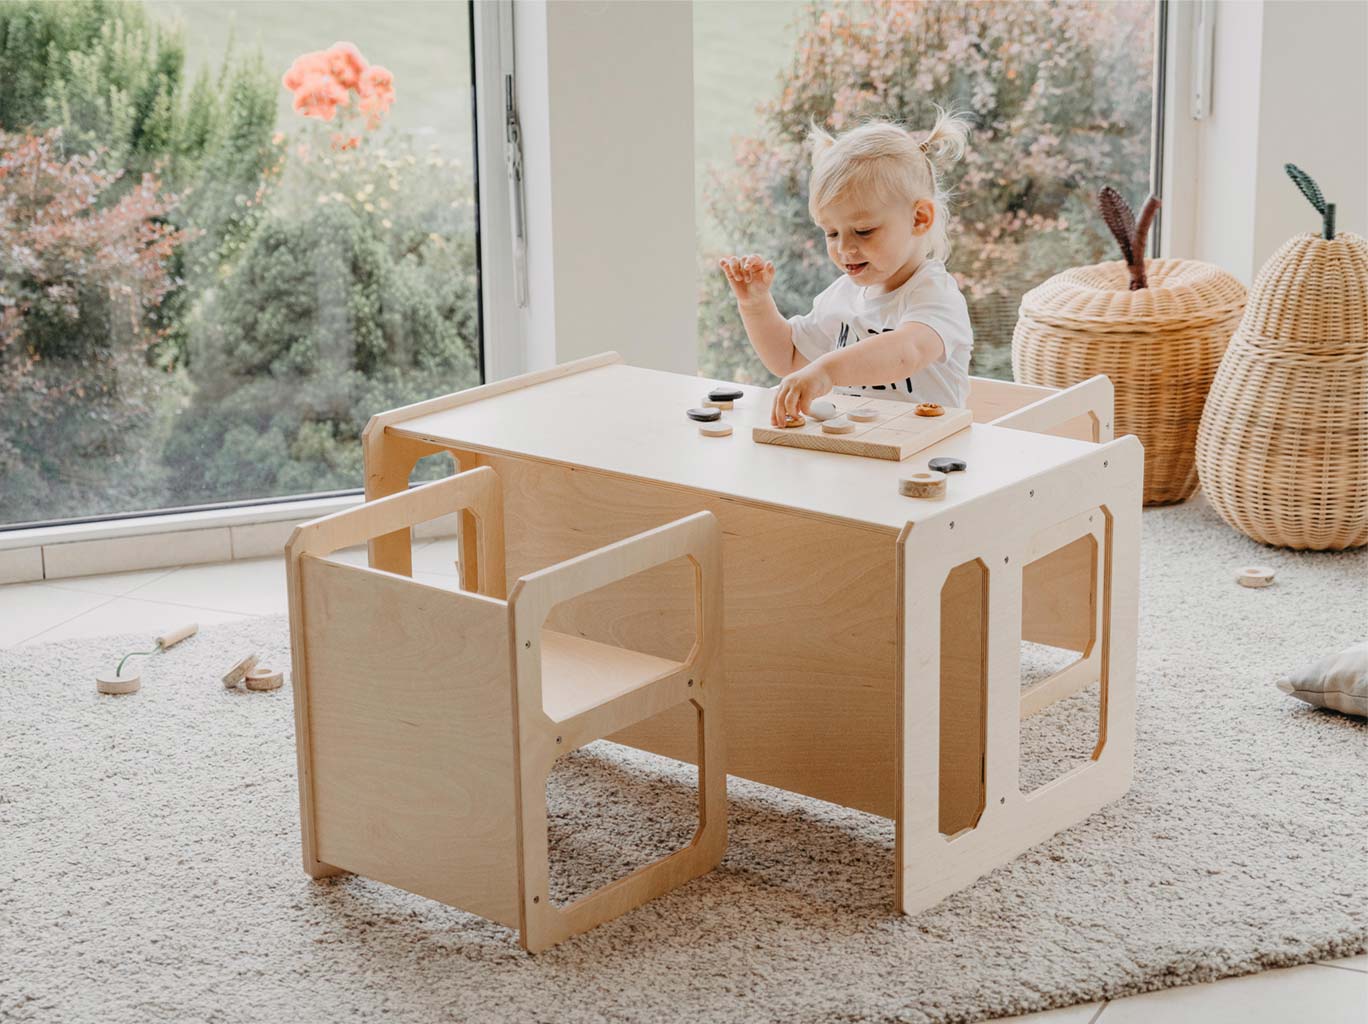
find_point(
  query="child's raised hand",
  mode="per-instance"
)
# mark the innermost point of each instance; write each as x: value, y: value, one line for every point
x: 750, y: 276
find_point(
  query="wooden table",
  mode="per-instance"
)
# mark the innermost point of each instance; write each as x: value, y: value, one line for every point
x: 872, y: 641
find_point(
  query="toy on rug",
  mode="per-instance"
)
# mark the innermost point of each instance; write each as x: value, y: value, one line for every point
x: 1255, y: 576
x: 120, y: 683
x: 247, y: 673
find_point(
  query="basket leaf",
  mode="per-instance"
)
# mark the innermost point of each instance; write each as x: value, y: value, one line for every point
x: 1117, y: 213
x: 1308, y: 187
x: 1142, y: 230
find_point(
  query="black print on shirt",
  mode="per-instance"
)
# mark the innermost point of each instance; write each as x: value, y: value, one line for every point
x: 844, y: 338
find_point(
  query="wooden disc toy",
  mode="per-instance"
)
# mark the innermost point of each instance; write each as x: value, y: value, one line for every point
x: 864, y: 414
x: 715, y: 429
x: 823, y: 410
x: 930, y: 409
x: 238, y: 672
x: 840, y: 425
x: 265, y: 678
x: 948, y: 465
x: 922, y: 485
x: 1254, y: 576
x: 118, y: 684
x: 716, y: 403
x: 795, y: 421
x: 705, y: 415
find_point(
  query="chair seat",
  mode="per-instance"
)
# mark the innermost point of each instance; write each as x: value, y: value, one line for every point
x: 579, y: 674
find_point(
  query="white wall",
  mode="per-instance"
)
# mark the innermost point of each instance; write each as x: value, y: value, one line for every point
x: 1289, y: 86
x: 606, y: 95
x: 1313, y: 112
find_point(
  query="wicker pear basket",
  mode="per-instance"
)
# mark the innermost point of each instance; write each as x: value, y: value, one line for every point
x: 1283, y: 445
x: 1160, y: 345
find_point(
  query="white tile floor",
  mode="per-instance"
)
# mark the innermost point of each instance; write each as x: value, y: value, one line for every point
x: 162, y: 599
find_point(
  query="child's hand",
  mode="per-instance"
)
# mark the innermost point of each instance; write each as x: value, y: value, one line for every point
x: 750, y: 277
x: 798, y: 391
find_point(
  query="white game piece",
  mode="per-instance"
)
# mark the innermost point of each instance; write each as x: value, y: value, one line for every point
x: 118, y: 684
x: 264, y: 679
x: 840, y: 425
x: 239, y: 671
x: 1254, y: 576
x: 715, y: 429
x: 823, y: 410
x: 922, y: 485
x: 864, y: 414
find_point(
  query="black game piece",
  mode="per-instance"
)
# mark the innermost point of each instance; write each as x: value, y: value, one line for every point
x: 705, y: 415
x: 725, y: 394
x: 944, y: 465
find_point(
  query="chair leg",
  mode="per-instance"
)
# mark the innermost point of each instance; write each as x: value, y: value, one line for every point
x: 545, y: 925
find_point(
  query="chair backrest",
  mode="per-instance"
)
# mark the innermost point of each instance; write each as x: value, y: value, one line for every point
x: 404, y: 709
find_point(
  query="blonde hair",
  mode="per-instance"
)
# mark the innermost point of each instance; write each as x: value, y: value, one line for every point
x: 886, y: 160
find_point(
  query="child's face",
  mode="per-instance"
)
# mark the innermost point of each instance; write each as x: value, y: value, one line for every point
x: 876, y: 245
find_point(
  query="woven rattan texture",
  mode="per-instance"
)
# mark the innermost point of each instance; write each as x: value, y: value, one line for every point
x: 1160, y: 346
x: 1283, y: 446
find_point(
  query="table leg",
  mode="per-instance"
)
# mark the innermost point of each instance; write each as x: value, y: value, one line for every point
x: 961, y: 811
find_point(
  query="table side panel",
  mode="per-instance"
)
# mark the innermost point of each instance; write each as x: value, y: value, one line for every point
x: 810, y: 646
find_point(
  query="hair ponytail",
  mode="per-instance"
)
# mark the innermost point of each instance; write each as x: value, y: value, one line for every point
x: 945, y: 142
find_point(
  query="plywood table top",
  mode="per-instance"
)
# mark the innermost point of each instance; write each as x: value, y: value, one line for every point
x: 629, y: 421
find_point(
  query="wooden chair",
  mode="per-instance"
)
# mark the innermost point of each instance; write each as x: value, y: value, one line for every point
x: 427, y: 720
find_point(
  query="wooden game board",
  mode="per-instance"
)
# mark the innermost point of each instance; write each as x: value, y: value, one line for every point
x: 896, y: 434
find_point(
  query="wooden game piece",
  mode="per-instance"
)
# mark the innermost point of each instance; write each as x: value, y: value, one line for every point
x: 945, y: 464
x: 715, y: 429
x: 264, y: 678
x: 725, y: 395
x: 823, y: 410
x: 118, y: 684
x: 239, y: 671
x: 840, y: 425
x: 922, y: 485
x: 930, y: 409
x: 705, y: 415
x: 795, y: 421
x: 1255, y: 576
x: 713, y: 403
x: 177, y: 635
x: 864, y: 414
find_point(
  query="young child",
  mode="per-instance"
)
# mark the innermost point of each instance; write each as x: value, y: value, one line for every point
x: 894, y: 324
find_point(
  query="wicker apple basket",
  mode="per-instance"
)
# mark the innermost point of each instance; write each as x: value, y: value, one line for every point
x: 1283, y: 445
x: 1160, y: 345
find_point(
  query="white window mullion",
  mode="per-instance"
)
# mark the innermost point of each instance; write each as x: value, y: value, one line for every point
x: 502, y: 256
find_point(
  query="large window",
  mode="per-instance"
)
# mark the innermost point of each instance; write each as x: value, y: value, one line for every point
x: 1062, y: 95
x: 230, y: 232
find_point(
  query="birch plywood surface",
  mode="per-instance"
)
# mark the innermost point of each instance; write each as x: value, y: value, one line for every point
x: 628, y: 421
x: 897, y: 433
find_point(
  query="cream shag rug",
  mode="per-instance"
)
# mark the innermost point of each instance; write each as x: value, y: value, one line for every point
x: 149, y: 861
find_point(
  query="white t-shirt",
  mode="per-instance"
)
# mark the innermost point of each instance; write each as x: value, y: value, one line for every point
x: 847, y: 313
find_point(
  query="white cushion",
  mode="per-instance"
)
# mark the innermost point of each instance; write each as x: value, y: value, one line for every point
x: 1338, y: 681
